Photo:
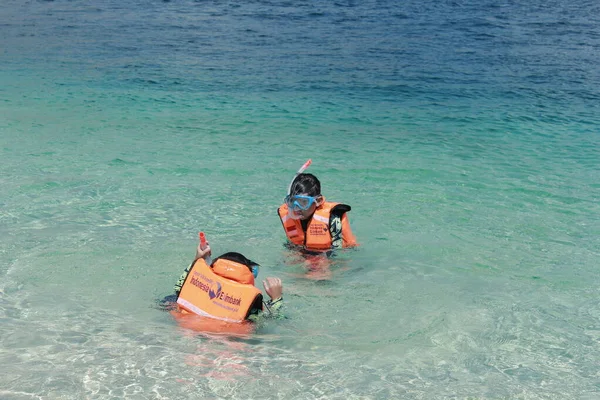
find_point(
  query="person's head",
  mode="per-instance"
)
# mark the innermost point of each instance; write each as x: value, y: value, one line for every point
x: 235, y: 266
x: 304, y: 197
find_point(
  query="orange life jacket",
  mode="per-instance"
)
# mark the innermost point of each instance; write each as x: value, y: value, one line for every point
x: 224, y: 292
x: 208, y: 325
x: 318, y: 235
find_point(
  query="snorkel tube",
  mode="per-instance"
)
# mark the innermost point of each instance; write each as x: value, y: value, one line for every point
x: 203, y: 245
x: 301, y: 170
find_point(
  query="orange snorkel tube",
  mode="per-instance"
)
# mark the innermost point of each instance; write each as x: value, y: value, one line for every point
x: 301, y: 170
x: 203, y: 245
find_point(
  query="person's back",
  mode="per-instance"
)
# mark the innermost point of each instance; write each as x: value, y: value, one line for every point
x: 220, y: 296
x: 311, y: 222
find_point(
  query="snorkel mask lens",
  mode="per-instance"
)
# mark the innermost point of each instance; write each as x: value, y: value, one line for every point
x: 299, y: 202
x: 255, y: 271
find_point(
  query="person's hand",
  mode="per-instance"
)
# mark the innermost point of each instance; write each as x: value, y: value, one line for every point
x: 273, y: 287
x: 200, y: 253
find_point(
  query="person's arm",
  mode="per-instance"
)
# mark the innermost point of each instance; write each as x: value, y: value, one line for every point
x: 199, y: 254
x: 271, y: 310
x: 339, y: 228
x: 348, y: 238
x: 180, y: 282
x: 273, y: 307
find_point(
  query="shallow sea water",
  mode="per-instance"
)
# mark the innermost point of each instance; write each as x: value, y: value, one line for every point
x: 463, y: 134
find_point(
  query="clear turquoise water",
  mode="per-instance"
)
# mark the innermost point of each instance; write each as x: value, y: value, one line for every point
x: 464, y: 135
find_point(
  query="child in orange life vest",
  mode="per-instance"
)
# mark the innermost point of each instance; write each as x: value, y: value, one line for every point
x: 310, y: 221
x: 225, y: 266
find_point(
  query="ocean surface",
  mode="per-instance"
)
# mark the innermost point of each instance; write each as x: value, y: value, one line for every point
x: 464, y: 134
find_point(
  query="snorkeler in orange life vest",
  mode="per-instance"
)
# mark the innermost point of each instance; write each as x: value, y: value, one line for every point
x: 310, y: 221
x: 223, y: 289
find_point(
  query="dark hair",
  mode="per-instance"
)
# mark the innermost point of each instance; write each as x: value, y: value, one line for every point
x: 238, y: 258
x: 306, y: 184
